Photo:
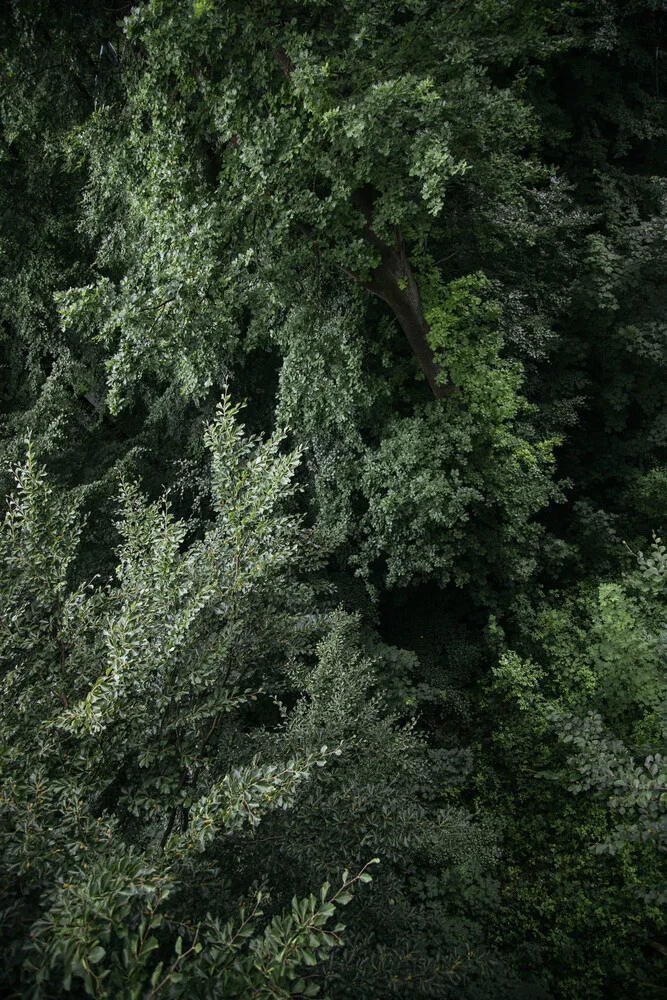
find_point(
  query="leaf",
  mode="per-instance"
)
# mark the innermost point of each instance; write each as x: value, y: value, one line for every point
x: 96, y: 954
x: 178, y: 947
x: 150, y: 945
x: 156, y: 973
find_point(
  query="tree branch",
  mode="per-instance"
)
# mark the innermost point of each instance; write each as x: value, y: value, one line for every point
x: 285, y: 62
x: 393, y: 281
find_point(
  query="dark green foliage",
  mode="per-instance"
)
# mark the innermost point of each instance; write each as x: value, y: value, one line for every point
x: 596, y: 681
x: 397, y: 618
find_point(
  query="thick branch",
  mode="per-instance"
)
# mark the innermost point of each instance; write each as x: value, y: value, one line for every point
x: 284, y: 61
x: 393, y: 281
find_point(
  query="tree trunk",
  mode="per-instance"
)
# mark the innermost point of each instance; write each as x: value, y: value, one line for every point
x: 393, y: 281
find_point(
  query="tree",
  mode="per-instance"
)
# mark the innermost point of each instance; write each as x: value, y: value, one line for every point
x: 118, y: 738
x: 601, y: 101
x: 265, y: 166
x: 581, y: 709
x: 429, y: 240
x: 143, y: 746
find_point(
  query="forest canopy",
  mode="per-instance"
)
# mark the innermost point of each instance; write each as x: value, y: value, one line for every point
x: 333, y: 436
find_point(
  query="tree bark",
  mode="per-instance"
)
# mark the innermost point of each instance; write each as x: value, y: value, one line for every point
x: 393, y: 281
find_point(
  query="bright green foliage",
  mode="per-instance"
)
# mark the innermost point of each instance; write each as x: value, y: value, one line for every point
x: 464, y: 334
x: 451, y: 465
x: 604, y: 645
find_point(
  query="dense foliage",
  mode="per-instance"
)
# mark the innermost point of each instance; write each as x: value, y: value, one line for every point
x: 397, y: 643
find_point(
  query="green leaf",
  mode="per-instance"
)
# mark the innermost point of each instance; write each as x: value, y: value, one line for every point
x: 150, y: 945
